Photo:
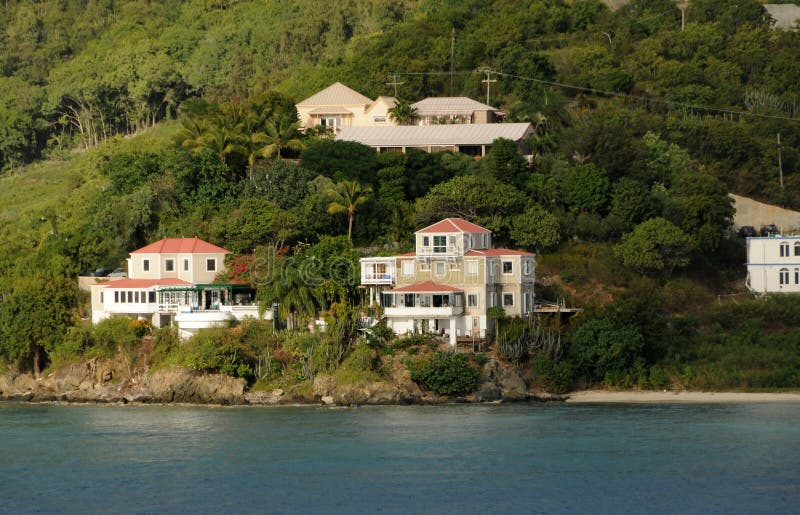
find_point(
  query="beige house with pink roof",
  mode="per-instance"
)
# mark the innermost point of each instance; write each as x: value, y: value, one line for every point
x: 450, y: 281
x: 338, y: 106
x: 172, y: 281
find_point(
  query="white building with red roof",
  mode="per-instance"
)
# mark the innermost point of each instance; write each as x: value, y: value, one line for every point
x: 173, y: 281
x: 450, y: 281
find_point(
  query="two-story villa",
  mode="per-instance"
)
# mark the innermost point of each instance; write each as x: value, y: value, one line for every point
x: 172, y: 280
x: 449, y: 282
x: 773, y: 264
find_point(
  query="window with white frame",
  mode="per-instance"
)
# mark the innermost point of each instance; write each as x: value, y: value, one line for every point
x: 151, y: 296
x: 508, y: 267
x: 330, y: 121
x: 473, y: 267
x: 146, y: 265
x: 185, y: 265
x: 439, y: 269
x: 508, y: 299
x: 169, y: 265
x: 784, y: 249
x: 472, y: 300
x: 492, y: 299
x: 439, y: 244
x: 797, y: 275
x: 797, y: 248
x: 101, y: 297
x: 783, y: 276
x: 425, y: 266
x: 211, y: 265
x: 527, y: 267
x: 426, y: 241
x: 408, y: 267
x: 379, y: 119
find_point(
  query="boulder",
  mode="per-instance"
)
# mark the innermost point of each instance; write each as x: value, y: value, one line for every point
x: 512, y: 386
x: 23, y: 383
x: 488, y: 392
x: 178, y: 385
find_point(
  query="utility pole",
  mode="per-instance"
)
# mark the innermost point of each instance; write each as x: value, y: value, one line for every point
x: 488, y: 81
x: 780, y: 163
x: 683, y: 7
x: 452, y: 58
x: 393, y: 79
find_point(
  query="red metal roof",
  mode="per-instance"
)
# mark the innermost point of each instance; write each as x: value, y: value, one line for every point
x: 497, y: 252
x: 425, y: 287
x: 145, y: 283
x: 454, y: 225
x: 180, y: 246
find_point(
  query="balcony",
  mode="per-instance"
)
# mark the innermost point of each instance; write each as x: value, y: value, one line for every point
x: 423, y: 312
x: 378, y: 271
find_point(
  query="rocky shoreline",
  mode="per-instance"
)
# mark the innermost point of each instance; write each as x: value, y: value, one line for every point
x: 101, y: 382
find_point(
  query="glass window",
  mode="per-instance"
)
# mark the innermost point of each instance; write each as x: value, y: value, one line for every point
x: 527, y: 267
x: 472, y: 300
x: 439, y: 269
x: 508, y: 267
x: 783, y: 276
x: 797, y: 248
x: 146, y: 265
x: 211, y: 265
x: 797, y: 275
x: 426, y: 241
x: 116, y: 296
x: 151, y: 296
x: 784, y: 249
x: 101, y: 297
x: 473, y: 267
x: 130, y: 297
x: 440, y: 244
x: 508, y: 299
x: 408, y: 267
x: 169, y: 265
x: 185, y: 265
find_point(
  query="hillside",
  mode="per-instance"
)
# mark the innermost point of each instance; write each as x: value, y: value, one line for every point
x: 124, y: 122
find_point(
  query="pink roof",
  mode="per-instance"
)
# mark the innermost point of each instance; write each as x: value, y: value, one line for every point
x: 426, y: 287
x: 180, y: 246
x: 145, y: 283
x: 454, y: 225
x: 407, y: 254
x: 497, y: 252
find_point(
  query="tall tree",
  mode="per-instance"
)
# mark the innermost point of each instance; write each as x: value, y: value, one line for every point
x: 345, y: 197
x: 402, y: 113
x: 281, y: 132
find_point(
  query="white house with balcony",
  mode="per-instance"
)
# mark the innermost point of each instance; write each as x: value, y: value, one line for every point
x: 773, y: 264
x: 173, y: 281
x: 448, y: 283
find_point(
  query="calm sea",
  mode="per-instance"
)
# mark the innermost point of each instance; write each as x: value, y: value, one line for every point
x: 732, y: 458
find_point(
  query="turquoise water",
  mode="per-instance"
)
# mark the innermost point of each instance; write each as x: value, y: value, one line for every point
x: 733, y: 458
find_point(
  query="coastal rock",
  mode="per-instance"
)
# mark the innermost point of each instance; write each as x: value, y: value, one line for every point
x: 327, y: 400
x: 512, y: 386
x: 177, y: 385
x: 488, y: 392
x: 23, y: 383
x: 5, y: 386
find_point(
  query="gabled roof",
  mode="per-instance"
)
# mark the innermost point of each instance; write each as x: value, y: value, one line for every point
x: 497, y: 252
x: 180, y: 246
x: 145, y: 283
x: 335, y: 94
x: 433, y: 106
x: 454, y: 225
x: 425, y: 287
x: 435, y: 135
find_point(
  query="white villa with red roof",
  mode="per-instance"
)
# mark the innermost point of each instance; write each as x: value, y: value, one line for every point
x: 449, y: 282
x: 172, y: 280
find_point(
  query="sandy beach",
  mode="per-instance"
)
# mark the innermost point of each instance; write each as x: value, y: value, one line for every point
x: 599, y: 396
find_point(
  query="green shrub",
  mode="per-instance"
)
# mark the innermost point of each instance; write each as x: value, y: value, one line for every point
x: 556, y: 377
x: 415, y: 340
x: 445, y: 373
x: 358, y: 366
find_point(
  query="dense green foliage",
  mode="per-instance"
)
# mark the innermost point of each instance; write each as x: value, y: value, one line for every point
x: 637, y: 154
x: 445, y: 373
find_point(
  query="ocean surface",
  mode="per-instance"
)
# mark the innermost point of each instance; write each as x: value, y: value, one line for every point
x: 729, y: 458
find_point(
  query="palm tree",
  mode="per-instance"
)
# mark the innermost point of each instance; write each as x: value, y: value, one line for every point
x: 281, y: 132
x: 345, y: 197
x: 251, y: 140
x: 193, y: 133
x: 295, y: 294
x: 402, y: 113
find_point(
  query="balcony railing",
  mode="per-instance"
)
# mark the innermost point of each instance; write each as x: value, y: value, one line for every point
x: 423, y: 312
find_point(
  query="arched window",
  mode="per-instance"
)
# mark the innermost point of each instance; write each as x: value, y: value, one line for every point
x: 797, y: 248
x: 785, y: 249
x: 797, y: 275
x: 783, y: 276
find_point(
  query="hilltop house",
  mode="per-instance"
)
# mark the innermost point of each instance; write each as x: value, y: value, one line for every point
x: 448, y: 283
x: 453, y: 110
x: 338, y: 106
x: 773, y: 264
x: 172, y: 280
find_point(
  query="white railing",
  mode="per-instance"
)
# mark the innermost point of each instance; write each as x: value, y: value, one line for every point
x: 424, y: 312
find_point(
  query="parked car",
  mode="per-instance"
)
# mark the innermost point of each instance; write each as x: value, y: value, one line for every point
x: 101, y: 272
x: 119, y: 272
x: 747, y: 231
x: 769, y: 230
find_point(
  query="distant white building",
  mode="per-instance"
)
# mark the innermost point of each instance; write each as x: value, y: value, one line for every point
x: 338, y: 106
x: 773, y: 264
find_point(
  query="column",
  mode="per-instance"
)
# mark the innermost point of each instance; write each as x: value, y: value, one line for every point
x: 453, y: 331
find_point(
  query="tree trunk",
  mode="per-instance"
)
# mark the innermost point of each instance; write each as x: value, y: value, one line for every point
x: 350, y: 226
x: 37, y: 350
